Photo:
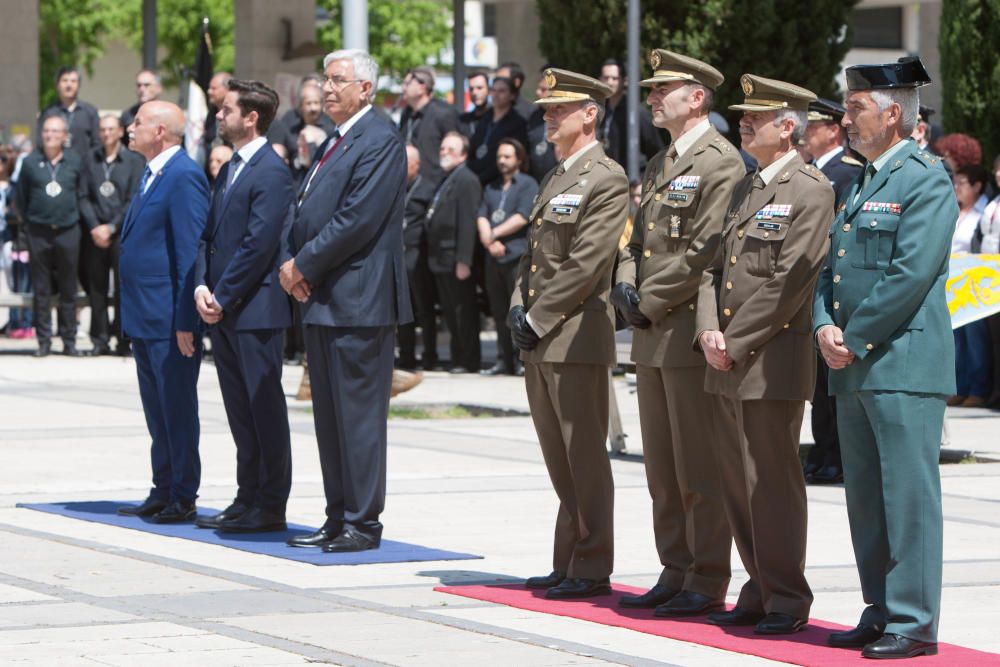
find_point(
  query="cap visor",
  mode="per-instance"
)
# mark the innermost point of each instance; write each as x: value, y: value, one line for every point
x: 755, y: 107
x: 562, y: 100
x: 648, y: 83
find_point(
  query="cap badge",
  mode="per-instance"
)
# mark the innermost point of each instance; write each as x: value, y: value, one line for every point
x: 654, y: 59
x: 747, y: 85
x: 550, y: 79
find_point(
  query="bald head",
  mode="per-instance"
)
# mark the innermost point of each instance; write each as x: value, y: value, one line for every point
x: 157, y: 126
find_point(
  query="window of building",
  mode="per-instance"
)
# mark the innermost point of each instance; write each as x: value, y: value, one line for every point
x: 489, y: 19
x: 878, y: 28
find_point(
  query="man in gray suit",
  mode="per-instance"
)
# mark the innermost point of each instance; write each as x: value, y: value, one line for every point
x: 343, y: 261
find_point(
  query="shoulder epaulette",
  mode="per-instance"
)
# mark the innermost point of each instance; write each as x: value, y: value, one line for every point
x: 612, y: 166
x: 721, y: 145
x: 813, y: 171
x: 926, y: 159
x: 847, y: 159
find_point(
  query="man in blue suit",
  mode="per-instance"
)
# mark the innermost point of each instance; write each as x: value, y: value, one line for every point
x: 159, y: 243
x: 343, y: 260
x: 238, y: 292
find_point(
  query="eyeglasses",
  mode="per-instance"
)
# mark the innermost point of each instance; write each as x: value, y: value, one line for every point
x: 338, y: 83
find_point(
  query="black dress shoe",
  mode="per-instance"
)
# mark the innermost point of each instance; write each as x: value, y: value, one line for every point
x: 176, y: 512
x: 351, y: 539
x: 71, y: 351
x: 499, y: 368
x: 574, y: 588
x: 897, y: 646
x: 44, y: 349
x: 319, y: 538
x: 688, y: 603
x: 99, y: 351
x: 234, y: 511
x: 149, y: 507
x: 810, y: 468
x: 858, y: 637
x: 255, y: 520
x: 656, y: 595
x: 554, y: 578
x: 827, y: 475
x: 777, y: 623
x: 735, y: 616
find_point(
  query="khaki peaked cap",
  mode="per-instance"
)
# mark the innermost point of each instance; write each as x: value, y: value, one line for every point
x: 772, y: 95
x: 565, y: 86
x: 669, y: 66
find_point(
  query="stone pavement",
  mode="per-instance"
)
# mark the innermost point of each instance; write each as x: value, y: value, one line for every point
x: 78, y: 593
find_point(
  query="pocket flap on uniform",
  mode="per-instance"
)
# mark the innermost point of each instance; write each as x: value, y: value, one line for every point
x: 881, y: 222
x: 767, y: 230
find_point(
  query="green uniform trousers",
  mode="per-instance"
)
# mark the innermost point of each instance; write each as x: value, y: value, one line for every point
x: 891, y: 445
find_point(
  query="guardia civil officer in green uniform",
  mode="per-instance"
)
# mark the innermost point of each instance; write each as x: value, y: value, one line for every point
x: 882, y: 324
x: 563, y: 322
x: 675, y: 236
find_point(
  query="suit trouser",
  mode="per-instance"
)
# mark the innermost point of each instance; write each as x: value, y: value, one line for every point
x: 98, y: 265
x: 891, y: 447
x: 826, y: 451
x: 249, y: 366
x: 55, y: 253
x: 424, y: 294
x: 973, y: 366
x: 679, y: 436
x: 461, y: 313
x: 350, y: 372
x: 500, y: 280
x: 569, y: 406
x: 765, y: 497
x: 168, y: 385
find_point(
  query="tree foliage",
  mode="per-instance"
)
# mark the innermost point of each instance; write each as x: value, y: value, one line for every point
x: 799, y: 42
x: 70, y: 32
x: 401, y: 35
x: 970, y: 72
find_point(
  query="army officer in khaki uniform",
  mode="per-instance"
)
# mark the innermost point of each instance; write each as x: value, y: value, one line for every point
x: 676, y: 234
x: 563, y: 323
x: 754, y: 327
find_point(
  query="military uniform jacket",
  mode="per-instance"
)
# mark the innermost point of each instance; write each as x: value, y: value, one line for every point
x: 675, y: 236
x: 885, y: 278
x: 758, y: 289
x: 564, y: 280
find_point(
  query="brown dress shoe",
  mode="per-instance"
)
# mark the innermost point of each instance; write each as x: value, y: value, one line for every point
x: 955, y: 401
x: 974, y: 402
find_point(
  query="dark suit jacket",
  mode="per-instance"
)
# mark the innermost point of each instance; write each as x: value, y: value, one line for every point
x: 346, y: 234
x: 418, y: 198
x: 841, y: 170
x: 425, y: 129
x: 238, y: 255
x: 159, y: 244
x: 451, y: 229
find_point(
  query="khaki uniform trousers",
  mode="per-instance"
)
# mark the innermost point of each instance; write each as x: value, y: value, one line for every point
x: 679, y: 434
x: 569, y: 406
x: 765, y: 497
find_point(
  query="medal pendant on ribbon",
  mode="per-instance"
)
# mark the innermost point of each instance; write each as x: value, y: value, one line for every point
x: 107, y: 189
x: 53, y: 189
x: 675, y: 227
x: 482, y: 151
x: 541, y: 147
x: 498, y: 216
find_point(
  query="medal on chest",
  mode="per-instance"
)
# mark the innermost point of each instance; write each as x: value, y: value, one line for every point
x: 107, y: 189
x: 53, y: 189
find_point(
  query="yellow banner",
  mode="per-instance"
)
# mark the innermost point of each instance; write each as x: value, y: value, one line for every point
x: 973, y: 287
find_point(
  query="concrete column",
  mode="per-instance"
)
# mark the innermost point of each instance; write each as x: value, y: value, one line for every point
x: 19, y: 74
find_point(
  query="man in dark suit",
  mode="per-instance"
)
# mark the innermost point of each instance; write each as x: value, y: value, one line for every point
x: 451, y: 246
x: 159, y: 243
x: 238, y: 292
x: 342, y: 253
x: 425, y: 120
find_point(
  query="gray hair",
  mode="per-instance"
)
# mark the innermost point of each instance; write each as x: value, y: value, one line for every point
x: 600, y: 110
x: 708, y: 102
x: 365, y: 67
x: 908, y: 100
x: 58, y: 117
x: 800, y: 118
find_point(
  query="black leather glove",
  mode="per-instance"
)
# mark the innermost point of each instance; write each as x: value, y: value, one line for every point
x: 524, y: 336
x: 625, y: 298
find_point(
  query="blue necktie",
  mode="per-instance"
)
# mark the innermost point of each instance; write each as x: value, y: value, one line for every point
x: 234, y: 165
x: 146, y: 175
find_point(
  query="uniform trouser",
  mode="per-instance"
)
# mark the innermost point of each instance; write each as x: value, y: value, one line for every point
x: 826, y: 451
x: 55, y: 254
x: 891, y: 444
x: 249, y: 366
x: 679, y: 435
x: 350, y: 373
x: 569, y: 407
x: 168, y: 386
x: 461, y: 313
x: 765, y: 498
x: 500, y: 279
x: 98, y: 265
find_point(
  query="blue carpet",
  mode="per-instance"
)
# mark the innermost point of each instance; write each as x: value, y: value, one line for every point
x: 269, y: 544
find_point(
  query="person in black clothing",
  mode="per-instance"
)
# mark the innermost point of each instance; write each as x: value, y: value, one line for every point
x: 451, y: 245
x: 47, y: 192
x: 148, y: 87
x: 613, y: 131
x: 541, y: 152
x: 479, y: 94
x: 501, y: 123
x: 419, y: 192
x: 513, y: 71
x: 502, y: 221
x: 426, y: 120
x: 79, y: 116
x: 111, y: 177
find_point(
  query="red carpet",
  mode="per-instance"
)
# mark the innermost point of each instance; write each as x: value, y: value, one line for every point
x: 804, y: 648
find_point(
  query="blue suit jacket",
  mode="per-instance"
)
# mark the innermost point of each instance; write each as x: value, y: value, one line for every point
x: 159, y: 242
x: 238, y: 256
x: 346, y: 234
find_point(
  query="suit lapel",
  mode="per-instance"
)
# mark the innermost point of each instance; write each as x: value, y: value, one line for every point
x: 574, y: 175
x: 241, y: 181
x: 346, y: 143
x: 135, y: 208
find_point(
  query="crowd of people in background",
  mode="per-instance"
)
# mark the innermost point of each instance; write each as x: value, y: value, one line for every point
x: 472, y: 178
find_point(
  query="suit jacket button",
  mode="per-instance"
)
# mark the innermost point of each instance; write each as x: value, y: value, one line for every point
x: 841, y: 252
x: 739, y: 233
x: 669, y: 310
x: 847, y: 227
x: 836, y: 305
x: 658, y: 196
x: 729, y: 284
x: 752, y: 353
x: 727, y: 312
x: 836, y: 279
x: 874, y: 223
x: 534, y: 267
x: 869, y: 347
x: 690, y: 306
x: 786, y: 326
x: 531, y: 292
x: 732, y: 260
x: 651, y: 227
x: 647, y: 253
x: 534, y: 244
